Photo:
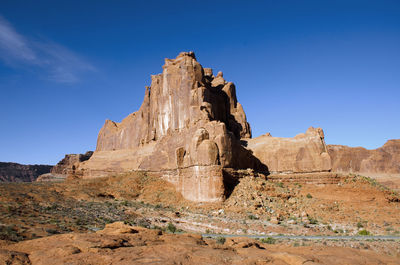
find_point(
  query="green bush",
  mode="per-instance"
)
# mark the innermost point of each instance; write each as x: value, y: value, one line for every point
x: 268, y: 240
x: 359, y: 225
x: 220, y: 240
x: 309, y: 195
x: 171, y: 228
x: 312, y: 221
x: 252, y: 217
x: 364, y: 233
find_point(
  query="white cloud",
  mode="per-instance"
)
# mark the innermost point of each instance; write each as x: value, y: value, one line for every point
x: 57, y: 63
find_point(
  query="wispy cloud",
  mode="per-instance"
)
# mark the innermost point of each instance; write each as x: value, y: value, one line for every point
x: 56, y: 62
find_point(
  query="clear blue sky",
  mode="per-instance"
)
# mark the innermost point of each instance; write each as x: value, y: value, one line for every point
x: 66, y: 66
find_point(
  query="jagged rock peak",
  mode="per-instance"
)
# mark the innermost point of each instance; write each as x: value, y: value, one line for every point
x: 181, y: 96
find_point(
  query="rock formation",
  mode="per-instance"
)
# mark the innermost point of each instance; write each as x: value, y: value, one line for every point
x: 13, y: 172
x: 192, y: 131
x: 383, y: 160
x: 305, y: 153
x: 65, y: 167
x: 121, y: 244
x: 187, y: 131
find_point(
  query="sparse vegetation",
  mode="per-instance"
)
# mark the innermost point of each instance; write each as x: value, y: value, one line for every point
x: 364, y: 233
x: 309, y: 196
x: 253, y: 217
x: 220, y: 240
x: 312, y: 220
x: 338, y: 231
x: 9, y: 233
x: 171, y: 228
x: 268, y: 240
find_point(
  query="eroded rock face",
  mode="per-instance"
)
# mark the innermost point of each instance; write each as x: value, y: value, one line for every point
x: 304, y: 153
x: 188, y: 127
x: 383, y: 160
x: 65, y: 167
x: 14, y: 172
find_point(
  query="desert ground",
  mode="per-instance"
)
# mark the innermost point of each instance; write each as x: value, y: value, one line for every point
x: 138, y: 219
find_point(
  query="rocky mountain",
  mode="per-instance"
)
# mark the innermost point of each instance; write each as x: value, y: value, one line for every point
x: 13, y: 172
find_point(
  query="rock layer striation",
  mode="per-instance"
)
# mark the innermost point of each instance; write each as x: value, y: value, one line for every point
x: 187, y: 130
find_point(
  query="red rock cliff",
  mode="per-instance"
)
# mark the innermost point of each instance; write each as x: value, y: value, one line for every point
x: 383, y: 160
x: 187, y: 130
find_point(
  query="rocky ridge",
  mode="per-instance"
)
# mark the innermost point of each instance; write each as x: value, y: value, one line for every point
x: 304, y: 153
x: 14, y: 172
x: 385, y: 159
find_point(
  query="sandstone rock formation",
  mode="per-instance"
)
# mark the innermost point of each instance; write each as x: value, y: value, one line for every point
x: 65, y: 167
x: 13, y: 172
x: 305, y: 153
x: 383, y: 160
x: 187, y: 131
x: 123, y: 244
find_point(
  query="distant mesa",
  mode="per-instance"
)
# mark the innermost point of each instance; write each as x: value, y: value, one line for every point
x: 191, y: 131
x: 14, y: 172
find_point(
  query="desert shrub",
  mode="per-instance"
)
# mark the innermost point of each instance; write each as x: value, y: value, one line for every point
x: 252, y: 217
x: 360, y: 225
x: 268, y: 240
x: 364, y: 233
x: 220, y: 240
x: 171, y: 228
x: 279, y: 184
x: 309, y: 195
x: 8, y: 233
x: 142, y: 222
x: 312, y: 221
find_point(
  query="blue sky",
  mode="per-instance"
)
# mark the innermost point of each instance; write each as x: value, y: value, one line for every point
x: 66, y: 66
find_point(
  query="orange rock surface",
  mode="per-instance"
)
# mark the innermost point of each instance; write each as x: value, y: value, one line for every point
x: 123, y: 244
x: 304, y: 153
